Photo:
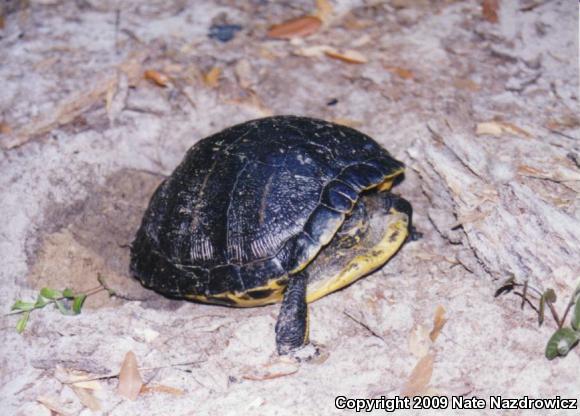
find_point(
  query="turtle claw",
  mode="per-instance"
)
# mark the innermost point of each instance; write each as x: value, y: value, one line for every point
x: 414, y: 235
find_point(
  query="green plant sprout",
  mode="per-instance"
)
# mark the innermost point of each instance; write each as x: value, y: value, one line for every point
x: 66, y: 301
x: 564, y: 338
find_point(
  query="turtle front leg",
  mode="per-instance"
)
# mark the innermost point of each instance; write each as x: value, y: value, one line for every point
x: 292, y: 324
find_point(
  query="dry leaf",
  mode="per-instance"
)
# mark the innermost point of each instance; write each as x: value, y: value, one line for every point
x: 498, y: 128
x: 348, y: 56
x: 490, y: 128
x: 243, y: 71
x: 212, y: 78
x: 348, y: 122
x: 471, y: 217
x: 401, y: 72
x: 89, y: 384
x: 158, y: 78
x: 5, y: 128
x: 528, y: 170
x: 466, y: 84
x: 270, y: 371
x: 351, y: 22
x: 313, y: 51
x: 419, y: 342
x: 77, y: 378
x: 432, y: 391
x: 513, y: 129
x: 362, y: 41
x: 160, y: 388
x: 323, y: 10
x: 87, y: 399
x: 253, y: 101
x: 489, y: 9
x: 438, y: 323
x: 566, y: 121
x: 109, y: 95
x: 130, y: 381
x: 295, y: 28
x: 420, y: 376
x: 52, y: 404
x: 72, y: 106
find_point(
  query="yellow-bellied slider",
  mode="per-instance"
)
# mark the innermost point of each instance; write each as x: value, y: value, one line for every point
x: 282, y: 208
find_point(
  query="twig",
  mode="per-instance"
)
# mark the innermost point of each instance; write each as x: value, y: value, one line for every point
x: 559, y: 133
x: 365, y: 326
x: 115, y: 375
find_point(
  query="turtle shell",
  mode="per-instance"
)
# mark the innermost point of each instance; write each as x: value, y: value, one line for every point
x: 254, y: 203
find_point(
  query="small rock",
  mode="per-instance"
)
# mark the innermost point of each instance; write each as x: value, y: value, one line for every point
x: 223, y: 33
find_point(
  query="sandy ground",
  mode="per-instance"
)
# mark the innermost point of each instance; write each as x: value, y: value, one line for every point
x: 86, y: 137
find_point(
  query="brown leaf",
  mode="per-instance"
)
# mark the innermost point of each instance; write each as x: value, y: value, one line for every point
x: 323, y: 10
x: 53, y: 404
x: 498, y: 128
x: 528, y: 170
x: 419, y: 377
x: 130, y: 381
x: 5, y: 128
x: 401, y: 72
x: 160, y: 388
x: 76, y: 103
x: 295, y: 28
x: 158, y: 78
x: 87, y: 399
x: 351, y: 22
x: 567, y: 121
x: 348, y: 122
x: 243, y: 71
x: 466, y: 84
x: 438, y: 323
x: 513, y: 129
x: 212, y: 78
x: 348, y: 56
x: 253, y: 101
x: 77, y: 378
x: 270, y: 371
x: 419, y: 341
x: 489, y: 10
x: 313, y: 51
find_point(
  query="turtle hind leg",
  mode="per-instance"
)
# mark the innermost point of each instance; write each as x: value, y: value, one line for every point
x: 292, y: 324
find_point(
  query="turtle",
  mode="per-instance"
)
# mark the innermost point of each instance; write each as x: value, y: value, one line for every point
x: 279, y: 209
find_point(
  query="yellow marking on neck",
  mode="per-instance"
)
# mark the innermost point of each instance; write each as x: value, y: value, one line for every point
x: 361, y: 265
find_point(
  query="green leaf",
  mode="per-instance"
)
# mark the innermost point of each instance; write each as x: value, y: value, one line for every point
x: 561, y: 342
x: 50, y: 293
x: 575, y: 322
x: 68, y: 293
x: 21, y: 325
x: 542, y: 311
x: 63, y: 308
x: 550, y: 295
x: 40, y: 302
x: 22, y: 306
x: 78, y: 303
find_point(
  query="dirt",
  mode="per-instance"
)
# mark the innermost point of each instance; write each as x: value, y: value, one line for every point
x: 85, y: 138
